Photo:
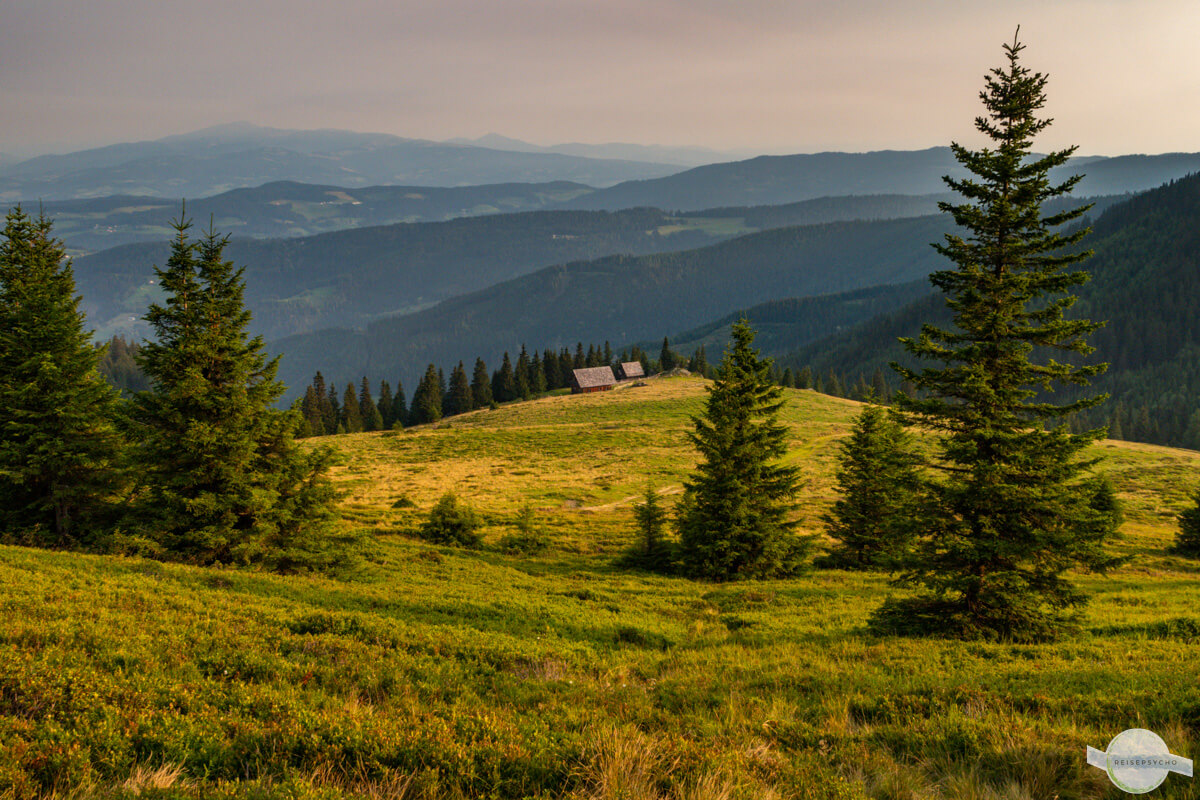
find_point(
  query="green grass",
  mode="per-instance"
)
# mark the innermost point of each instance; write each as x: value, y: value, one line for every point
x: 451, y: 673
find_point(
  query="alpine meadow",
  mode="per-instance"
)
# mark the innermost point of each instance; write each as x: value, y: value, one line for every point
x: 477, y: 468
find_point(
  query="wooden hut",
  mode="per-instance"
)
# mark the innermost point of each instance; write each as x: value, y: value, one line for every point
x: 630, y: 370
x: 592, y: 379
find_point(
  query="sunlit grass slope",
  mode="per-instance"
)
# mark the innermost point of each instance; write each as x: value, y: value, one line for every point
x: 449, y: 673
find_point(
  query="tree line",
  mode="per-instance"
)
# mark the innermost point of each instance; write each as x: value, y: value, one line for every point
x: 356, y: 409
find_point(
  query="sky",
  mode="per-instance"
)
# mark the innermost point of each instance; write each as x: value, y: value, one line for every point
x: 779, y: 76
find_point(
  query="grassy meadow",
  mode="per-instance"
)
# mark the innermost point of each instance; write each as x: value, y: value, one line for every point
x: 446, y: 673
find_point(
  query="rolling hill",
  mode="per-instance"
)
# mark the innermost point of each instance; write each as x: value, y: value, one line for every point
x: 444, y: 672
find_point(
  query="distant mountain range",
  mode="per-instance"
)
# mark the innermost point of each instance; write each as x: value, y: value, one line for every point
x: 683, y: 156
x: 228, y: 157
x: 772, y: 180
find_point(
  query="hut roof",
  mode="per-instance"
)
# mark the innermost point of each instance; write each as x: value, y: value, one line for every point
x: 594, y: 376
x: 632, y: 369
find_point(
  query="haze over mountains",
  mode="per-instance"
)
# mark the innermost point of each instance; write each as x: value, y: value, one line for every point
x: 359, y: 274
x: 227, y: 157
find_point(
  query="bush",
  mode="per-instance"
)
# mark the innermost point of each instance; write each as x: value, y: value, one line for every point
x: 452, y: 523
x: 529, y: 537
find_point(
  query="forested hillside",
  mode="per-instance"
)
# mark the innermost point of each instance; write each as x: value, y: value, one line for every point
x: 1145, y: 285
x: 350, y: 277
x: 624, y: 298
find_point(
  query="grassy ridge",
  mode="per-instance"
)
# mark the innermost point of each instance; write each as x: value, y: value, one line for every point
x: 447, y: 673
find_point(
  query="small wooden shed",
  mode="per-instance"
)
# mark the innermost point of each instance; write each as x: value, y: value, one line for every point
x: 630, y: 370
x: 592, y: 379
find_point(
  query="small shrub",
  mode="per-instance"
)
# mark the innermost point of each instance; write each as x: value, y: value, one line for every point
x: 403, y: 501
x: 452, y: 523
x: 529, y: 538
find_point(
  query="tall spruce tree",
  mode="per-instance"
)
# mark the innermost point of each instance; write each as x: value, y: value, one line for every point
x: 481, y: 385
x: 387, y: 411
x: 372, y: 419
x: 1008, y: 515
x: 399, y: 406
x: 57, y: 442
x: 352, y: 420
x: 222, y: 478
x: 427, y: 398
x: 877, y: 482
x: 459, y: 399
x: 733, y: 521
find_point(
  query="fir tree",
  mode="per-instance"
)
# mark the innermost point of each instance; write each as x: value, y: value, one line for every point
x: 223, y: 480
x: 733, y: 521
x: 481, y: 385
x: 538, y: 384
x: 352, y: 420
x: 57, y: 443
x: 1187, y: 542
x: 1009, y: 514
x: 566, y: 366
x: 386, y: 405
x: 551, y: 368
x: 666, y: 359
x: 877, y: 482
x: 372, y: 419
x: 652, y: 551
x: 504, y: 383
x: 399, y: 406
x: 524, y: 383
x: 580, y: 359
x: 804, y: 378
x: 427, y: 399
x: 310, y: 409
x: 459, y: 398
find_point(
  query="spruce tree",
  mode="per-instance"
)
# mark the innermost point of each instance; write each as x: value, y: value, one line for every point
x: 459, y: 398
x: 666, y: 358
x: 877, y: 482
x: 1009, y: 513
x: 427, y: 399
x: 504, y: 382
x: 352, y: 420
x: 58, y: 446
x: 223, y: 480
x: 652, y: 551
x: 551, y: 369
x: 372, y: 419
x: 386, y: 405
x: 733, y: 521
x: 523, y: 376
x: 399, y: 406
x: 310, y: 409
x: 481, y: 385
x: 1187, y: 542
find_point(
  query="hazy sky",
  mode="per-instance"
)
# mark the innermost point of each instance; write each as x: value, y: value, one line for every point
x: 775, y: 75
